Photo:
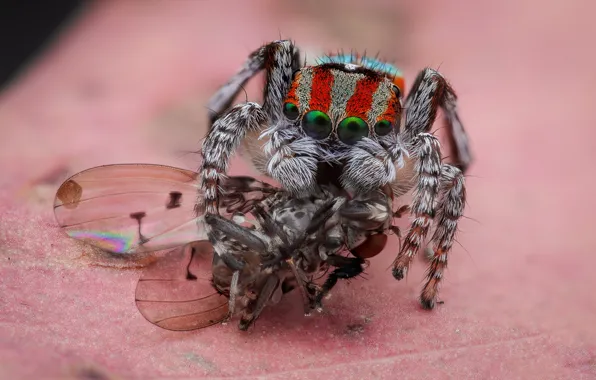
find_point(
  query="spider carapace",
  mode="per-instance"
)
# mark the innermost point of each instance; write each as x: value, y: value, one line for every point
x: 344, y: 99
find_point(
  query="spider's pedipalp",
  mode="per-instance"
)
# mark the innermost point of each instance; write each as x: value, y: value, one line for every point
x: 370, y: 166
x: 294, y: 164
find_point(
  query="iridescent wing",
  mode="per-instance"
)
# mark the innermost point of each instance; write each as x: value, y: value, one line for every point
x: 129, y: 208
x: 132, y: 208
x: 175, y: 292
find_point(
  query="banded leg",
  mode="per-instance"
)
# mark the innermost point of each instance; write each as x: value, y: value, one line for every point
x: 450, y: 208
x: 428, y: 170
x: 280, y: 59
x: 219, y: 145
x: 430, y: 91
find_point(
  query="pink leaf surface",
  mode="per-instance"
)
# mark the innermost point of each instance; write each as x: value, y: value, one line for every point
x: 519, y: 293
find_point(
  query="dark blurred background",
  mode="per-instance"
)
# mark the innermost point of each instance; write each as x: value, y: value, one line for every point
x: 25, y: 27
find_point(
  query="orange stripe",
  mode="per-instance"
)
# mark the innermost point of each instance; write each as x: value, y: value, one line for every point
x: 400, y: 82
x: 361, y: 102
x: 320, y: 93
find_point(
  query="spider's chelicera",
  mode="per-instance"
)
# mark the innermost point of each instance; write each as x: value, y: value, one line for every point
x: 345, y: 123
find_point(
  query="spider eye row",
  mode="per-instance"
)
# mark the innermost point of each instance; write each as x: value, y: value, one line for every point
x: 317, y: 124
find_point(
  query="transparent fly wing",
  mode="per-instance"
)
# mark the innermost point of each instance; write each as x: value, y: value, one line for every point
x: 133, y: 208
x: 176, y: 293
x: 130, y: 208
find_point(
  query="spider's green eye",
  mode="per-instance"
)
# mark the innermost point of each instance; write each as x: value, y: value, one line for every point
x: 383, y: 127
x: 351, y: 130
x: 291, y: 111
x: 316, y: 124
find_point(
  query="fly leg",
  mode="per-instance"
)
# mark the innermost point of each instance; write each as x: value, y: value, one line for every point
x: 347, y: 267
x: 232, y: 300
x: 257, y: 302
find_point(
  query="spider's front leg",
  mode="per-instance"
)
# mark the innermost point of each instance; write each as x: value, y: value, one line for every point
x: 230, y: 126
x: 280, y: 59
x: 434, y: 181
x: 220, y: 143
x: 429, y: 92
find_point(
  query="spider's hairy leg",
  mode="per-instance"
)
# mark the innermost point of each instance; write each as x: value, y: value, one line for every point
x: 219, y: 145
x: 280, y: 59
x: 428, y: 175
x: 450, y: 208
x: 430, y: 91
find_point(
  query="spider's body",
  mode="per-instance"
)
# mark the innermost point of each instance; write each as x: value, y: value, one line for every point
x: 344, y: 121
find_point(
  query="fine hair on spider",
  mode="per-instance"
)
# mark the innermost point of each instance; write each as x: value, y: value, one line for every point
x: 344, y: 121
x: 344, y: 145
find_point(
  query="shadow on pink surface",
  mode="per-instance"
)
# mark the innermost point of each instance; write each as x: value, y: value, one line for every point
x: 519, y: 293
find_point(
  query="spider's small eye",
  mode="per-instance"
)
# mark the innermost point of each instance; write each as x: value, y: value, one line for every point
x: 316, y: 124
x: 291, y: 111
x: 351, y: 130
x: 383, y: 127
x: 397, y: 91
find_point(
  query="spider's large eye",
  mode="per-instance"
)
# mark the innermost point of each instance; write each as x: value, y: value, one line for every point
x: 291, y: 111
x: 383, y: 127
x: 316, y: 124
x: 351, y: 130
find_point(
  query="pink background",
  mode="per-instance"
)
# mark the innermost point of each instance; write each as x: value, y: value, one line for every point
x: 127, y: 81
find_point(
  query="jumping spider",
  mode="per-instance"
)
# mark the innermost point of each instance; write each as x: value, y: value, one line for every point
x: 344, y: 121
